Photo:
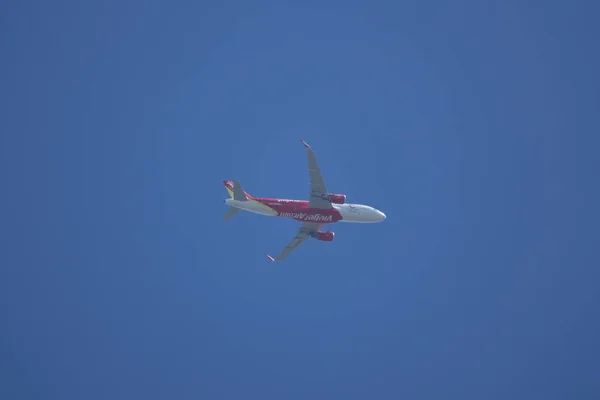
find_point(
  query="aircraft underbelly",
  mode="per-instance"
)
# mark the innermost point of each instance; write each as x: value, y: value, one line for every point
x: 252, y: 206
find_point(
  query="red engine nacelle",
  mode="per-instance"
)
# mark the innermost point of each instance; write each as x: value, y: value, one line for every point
x: 325, y: 236
x: 337, y: 198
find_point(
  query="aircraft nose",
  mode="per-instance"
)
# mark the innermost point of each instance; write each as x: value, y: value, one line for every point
x: 381, y: 215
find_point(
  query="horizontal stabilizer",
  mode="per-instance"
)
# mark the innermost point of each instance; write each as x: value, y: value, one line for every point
x: 235, y: 191
x: 230, y: 213
x: 238, y: 192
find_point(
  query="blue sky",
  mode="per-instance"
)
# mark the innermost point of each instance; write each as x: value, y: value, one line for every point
x: 473, y: 125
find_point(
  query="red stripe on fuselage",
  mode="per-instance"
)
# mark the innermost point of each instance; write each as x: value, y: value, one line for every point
x: 299, y: 210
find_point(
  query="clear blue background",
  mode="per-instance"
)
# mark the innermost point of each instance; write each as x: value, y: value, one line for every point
x: 473, y: 125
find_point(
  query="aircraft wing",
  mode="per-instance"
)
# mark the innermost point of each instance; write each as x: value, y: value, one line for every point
x: 317, y: 184
x: 304, y: 233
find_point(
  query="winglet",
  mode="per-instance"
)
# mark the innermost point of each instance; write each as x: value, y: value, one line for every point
x: 270, y: 258
x: 305, y: 144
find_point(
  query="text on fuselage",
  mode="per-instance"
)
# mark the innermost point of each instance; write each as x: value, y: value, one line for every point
x: 307, y: 217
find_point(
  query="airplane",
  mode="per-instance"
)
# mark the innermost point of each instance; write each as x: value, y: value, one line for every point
x: 321, y: 208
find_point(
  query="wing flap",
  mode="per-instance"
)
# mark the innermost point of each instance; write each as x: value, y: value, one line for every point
x: 303, y: 233
x: 317, y: 183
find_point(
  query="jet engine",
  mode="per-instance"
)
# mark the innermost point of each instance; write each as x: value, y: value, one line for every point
x: 335, y: 198
x: 325, y: 236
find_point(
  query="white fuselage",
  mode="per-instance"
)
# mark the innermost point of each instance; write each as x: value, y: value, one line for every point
x: 357, y: 213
